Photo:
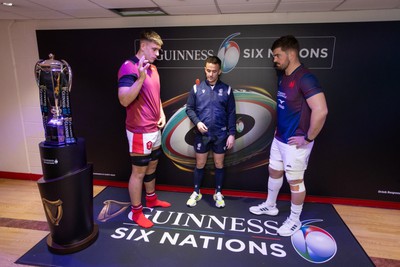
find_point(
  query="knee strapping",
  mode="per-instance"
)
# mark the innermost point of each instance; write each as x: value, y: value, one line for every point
x: 301, y: 187
x: 141, y: 160
x: 295, y: 179
x: 155, y: 154
x: 149, y: 177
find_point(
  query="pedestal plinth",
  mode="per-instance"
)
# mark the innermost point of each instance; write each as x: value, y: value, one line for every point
x: 66, y: 189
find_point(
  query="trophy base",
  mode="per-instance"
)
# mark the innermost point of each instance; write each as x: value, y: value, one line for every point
x: 78, y: 246
x: 68, y: 205
x: 55, y: 132
x: 66, y: 190
x: 54, y: 143
x: 60, y: 160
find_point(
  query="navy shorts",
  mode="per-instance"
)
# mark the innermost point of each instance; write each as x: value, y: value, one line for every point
x: 203, y: 143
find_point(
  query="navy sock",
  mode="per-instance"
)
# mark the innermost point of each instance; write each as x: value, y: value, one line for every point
x: 198, y: 177
x: 219, y: 178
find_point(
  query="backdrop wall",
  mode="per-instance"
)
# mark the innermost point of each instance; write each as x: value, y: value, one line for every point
x: 352, y: 157
x: 21, y: 127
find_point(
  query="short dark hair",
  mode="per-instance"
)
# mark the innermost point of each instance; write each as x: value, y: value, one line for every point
x: 214, y: 60
x: 286, y: 42
x: 151, y: 36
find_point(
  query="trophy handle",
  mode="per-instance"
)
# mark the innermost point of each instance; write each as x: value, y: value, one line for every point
x: 69, y: 74
x: 37, y: 69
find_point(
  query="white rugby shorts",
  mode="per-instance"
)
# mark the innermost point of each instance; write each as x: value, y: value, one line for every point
x: 143, y: 143
x: 285, y: 157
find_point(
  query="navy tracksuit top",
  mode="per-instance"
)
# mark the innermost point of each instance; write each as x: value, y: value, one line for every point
x: 215, y: 107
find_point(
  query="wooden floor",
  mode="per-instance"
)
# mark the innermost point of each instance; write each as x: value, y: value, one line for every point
x: 23, y: 224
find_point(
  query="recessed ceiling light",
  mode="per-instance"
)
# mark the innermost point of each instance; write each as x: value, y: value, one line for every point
x: 128, y: 12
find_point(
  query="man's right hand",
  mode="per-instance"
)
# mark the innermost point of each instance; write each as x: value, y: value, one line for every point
x: 202, y: 127
x: 143, y: 66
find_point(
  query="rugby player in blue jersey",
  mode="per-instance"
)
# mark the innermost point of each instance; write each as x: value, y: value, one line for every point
x: 301, y: 114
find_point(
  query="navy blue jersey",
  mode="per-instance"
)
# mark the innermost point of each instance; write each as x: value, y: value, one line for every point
x: 292, y: 109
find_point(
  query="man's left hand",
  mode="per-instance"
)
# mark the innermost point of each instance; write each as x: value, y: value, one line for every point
x: 297, y: 141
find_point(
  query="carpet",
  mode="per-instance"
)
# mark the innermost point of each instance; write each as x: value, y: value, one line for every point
x: 207, y: 236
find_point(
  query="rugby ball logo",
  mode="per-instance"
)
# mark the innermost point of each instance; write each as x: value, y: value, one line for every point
x: 255, y: 124
x: 314, y: 244
x: 229, y: 53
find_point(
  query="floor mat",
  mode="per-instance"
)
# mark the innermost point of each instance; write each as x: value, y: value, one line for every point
x: 208, y: 236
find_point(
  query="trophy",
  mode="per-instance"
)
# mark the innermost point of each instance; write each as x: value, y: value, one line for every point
x: 54, y: 79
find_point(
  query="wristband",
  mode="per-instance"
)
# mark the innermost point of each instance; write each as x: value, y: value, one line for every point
x: 308, y: 140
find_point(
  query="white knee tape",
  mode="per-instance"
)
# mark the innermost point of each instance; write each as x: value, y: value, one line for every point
x: 293, y: 176
x: 301, y: 187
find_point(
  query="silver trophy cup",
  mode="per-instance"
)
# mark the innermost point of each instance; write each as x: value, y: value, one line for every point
x: 54, y: 79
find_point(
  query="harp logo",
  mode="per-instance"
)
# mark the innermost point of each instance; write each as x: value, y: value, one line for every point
x: 54, y: 210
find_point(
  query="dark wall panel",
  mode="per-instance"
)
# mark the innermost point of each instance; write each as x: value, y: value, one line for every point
x: 356, y: 63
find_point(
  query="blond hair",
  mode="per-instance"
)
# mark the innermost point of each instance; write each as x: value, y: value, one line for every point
x: 151, y: 36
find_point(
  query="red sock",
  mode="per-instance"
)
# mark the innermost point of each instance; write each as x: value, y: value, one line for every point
x: 152, y: 201
x: 139, y: 218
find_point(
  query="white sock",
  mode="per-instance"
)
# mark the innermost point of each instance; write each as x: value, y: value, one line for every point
x: 295, y: 211
x: 274, y: 185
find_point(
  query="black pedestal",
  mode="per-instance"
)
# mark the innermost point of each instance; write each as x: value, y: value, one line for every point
x: 66, y: 189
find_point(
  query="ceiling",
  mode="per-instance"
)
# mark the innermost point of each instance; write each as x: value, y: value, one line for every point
x: 79, y: 9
